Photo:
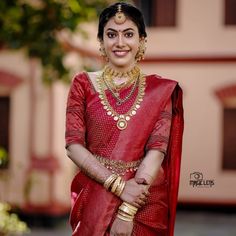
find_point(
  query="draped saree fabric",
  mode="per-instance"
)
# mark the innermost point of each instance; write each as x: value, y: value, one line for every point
x: 94, y: 208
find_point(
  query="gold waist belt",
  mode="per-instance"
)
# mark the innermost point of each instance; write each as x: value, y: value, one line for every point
x: 118, y: 166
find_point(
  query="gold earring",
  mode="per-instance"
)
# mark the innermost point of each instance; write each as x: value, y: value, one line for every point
x: 103, y: 52
x: 141, y: 50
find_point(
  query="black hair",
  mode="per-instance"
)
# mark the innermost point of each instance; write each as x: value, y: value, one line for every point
x: 130, y: 12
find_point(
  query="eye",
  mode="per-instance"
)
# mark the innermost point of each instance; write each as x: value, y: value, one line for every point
x: 129, y: 34
x: 111, y: 35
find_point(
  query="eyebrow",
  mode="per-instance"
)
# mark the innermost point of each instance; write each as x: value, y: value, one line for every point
x: 110, y: 29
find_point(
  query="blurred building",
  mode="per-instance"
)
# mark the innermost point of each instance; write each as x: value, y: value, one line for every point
x: 190, y: 41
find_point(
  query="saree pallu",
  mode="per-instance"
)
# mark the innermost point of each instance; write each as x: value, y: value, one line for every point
x: 94, y: 208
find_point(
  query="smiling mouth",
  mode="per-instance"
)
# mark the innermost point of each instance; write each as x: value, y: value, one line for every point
x: 121, y: 53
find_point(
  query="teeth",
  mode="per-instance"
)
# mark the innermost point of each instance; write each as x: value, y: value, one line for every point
x: 121, y: 53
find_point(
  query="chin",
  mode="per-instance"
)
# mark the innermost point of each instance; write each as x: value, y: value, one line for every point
x: 123, y: 63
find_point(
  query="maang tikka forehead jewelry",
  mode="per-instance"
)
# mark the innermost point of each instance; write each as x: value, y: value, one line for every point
x: 120, y: 17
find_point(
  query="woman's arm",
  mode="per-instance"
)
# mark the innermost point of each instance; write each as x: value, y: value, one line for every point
x: 76, y: 131
x: 156, y: 146
x: 87, y: 163
x: 90, y: 166
x: 149, y: 167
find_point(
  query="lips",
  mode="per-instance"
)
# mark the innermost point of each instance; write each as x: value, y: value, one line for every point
x: 120, y: 53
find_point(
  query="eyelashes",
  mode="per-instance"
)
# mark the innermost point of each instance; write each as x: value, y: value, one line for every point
x: 111, y: 35
x: 128, y: 34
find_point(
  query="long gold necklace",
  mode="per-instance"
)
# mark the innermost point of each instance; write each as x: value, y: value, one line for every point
x: 121, y: 119
x: 132, y: 78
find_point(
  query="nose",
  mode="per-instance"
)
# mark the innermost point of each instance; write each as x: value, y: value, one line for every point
x: 120, y: 42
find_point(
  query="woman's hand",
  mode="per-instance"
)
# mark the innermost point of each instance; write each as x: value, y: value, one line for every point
x: 134, y: 193
x: 121, y: 228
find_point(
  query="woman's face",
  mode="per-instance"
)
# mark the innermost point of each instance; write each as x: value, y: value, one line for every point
x: 121, y: 43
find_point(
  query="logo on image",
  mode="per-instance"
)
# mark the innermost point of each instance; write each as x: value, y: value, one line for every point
x: 197, y: 180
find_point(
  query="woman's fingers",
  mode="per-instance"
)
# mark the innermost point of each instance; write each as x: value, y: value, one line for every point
x: 136, y: 204
x: 134, y: 191
x: 140, y: 201
x: 146, y: 193
x: 143, y: 197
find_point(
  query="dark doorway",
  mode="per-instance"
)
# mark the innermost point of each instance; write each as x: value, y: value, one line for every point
x: 4, y: 125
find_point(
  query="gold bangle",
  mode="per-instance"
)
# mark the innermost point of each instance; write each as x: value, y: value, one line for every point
x: 130, y: 206
x: 124, y: 218
x: 127, y: 210
x: 125, y: 215
x: 115, y: 184
x: 108, y: 182
x: 120, y: 188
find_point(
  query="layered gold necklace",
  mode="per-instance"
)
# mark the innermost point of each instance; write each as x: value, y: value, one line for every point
x: 138, y: 80
x: 109, y: 76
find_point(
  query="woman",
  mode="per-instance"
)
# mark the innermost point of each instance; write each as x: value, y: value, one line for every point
x: 124, y: 132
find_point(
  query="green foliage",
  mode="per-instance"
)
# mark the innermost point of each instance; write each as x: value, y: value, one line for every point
x: 34, y: 24
x: 10, y: 223
x: 3, y: 157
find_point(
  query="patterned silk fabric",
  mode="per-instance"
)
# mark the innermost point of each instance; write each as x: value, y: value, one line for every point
x: 158, y: 124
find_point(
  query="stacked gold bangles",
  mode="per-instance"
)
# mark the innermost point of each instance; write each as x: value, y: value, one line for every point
x: 126, y: 212
x: 115, y: 184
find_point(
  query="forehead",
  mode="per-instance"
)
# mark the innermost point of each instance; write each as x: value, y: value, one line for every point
x: 127, y: 24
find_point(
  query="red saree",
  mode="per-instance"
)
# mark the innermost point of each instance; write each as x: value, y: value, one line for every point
x: 94, y: 208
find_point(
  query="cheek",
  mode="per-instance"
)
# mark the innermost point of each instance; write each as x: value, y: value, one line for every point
x: 135, y: 47
x: 134, y: 44
x: 108, y: 44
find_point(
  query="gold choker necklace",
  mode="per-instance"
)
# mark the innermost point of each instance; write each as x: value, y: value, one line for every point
x: 134, y: 72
